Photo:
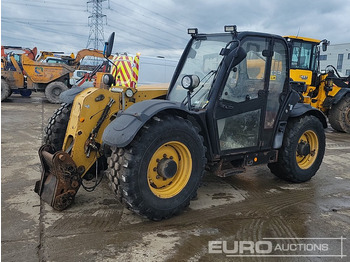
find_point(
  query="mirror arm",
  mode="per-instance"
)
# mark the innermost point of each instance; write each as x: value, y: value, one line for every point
x: 104, y: 50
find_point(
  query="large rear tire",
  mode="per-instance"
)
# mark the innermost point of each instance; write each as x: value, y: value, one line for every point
x: 53, y: 91
x: 302, y: 150
x: 339, y: 115
x: 55, y: 130
x: 5, y: 90
x: 159, y: 172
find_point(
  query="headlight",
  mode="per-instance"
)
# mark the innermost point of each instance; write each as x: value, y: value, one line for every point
x: 186, y: 82
x: 108, y: 79
x: 190, y: 82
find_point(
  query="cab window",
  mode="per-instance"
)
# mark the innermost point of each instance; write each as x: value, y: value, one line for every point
x: 301, y: 55
x: 247, y: 78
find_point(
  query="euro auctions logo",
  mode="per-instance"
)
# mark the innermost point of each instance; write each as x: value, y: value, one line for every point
x: 280, y: 247
x: 240, y: 247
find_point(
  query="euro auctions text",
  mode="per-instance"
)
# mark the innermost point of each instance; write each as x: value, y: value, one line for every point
x: 280, y: 247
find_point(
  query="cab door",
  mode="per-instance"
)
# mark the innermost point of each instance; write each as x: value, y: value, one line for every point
x: 241, y: 115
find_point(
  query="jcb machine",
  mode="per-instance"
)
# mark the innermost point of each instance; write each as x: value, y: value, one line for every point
x: 219, y: 114
x: 44, y: 55
x: 326, y: 91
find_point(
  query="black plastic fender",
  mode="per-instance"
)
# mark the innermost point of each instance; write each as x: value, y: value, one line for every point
x: 342, y: 92
x: 122, y: 130
x: 299, y: 109
x: 69, y: 95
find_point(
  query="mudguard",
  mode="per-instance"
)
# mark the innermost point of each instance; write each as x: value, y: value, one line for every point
x: 342, y: 92
x: 122, y: 130
x: 69, y: 95
x: 299, y: 109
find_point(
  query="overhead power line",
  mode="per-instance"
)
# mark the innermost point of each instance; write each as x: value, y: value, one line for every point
x: 145, y: 22
x: 45, y: 2
x: 158, y: 14
x: 147, y: 18
x: 40, y: 21
x: 55, y: 6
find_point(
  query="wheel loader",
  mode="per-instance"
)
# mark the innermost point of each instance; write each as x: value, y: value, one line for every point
x: 219, y: 114
x: 327, y: 91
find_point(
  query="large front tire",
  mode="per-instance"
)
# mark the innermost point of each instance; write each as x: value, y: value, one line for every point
x: 302, y: 150
x: 55, y: 130
x: 339, y: 115
x: 159, y: 172
x: 53, y: 91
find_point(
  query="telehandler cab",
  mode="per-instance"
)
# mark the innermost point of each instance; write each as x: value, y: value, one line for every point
x: 219, y: 114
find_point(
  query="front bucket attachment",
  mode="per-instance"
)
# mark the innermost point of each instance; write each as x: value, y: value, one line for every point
x: 60, y: 179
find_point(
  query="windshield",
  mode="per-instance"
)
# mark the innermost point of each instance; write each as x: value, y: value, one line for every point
x: 303, y: 56
x: 202, y: 60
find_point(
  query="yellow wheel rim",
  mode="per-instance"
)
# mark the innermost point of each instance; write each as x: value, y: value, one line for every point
x: 307, y: 149
x: 168, y: 184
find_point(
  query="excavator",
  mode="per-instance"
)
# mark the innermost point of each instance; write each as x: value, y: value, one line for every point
x: 71, y: 60
x: 218, y: 113
x: 44, y: 55
x: 327, y: 90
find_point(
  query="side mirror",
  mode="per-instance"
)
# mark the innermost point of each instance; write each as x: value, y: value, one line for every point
x: 109, y: 46
x: 325, y: 44
x: 237, y: 54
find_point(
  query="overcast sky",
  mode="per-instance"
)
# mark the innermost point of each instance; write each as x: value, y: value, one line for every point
x: 159, y: 27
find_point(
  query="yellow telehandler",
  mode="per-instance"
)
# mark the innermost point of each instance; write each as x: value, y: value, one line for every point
x: 218, y: 113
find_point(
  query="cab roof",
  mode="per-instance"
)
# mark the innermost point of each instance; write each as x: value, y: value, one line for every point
x: 306, y: 39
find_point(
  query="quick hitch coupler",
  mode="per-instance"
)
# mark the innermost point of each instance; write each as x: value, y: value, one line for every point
x: 60, y: 178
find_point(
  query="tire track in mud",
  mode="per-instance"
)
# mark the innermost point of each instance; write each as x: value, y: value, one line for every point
x: 264, y: 208
x: 259, y: 206
x: 256, y: 222
x: 255, y: 226
x: 267, y: 211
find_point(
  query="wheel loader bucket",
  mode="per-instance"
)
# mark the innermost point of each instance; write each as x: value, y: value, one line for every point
x: 60, y: 179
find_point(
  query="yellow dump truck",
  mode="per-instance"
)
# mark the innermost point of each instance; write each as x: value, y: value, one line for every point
x: 52, y: 78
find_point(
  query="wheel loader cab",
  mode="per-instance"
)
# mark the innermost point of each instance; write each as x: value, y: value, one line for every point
x: 304, y: 53
x: 242, y: 90
x: 323, y: 88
